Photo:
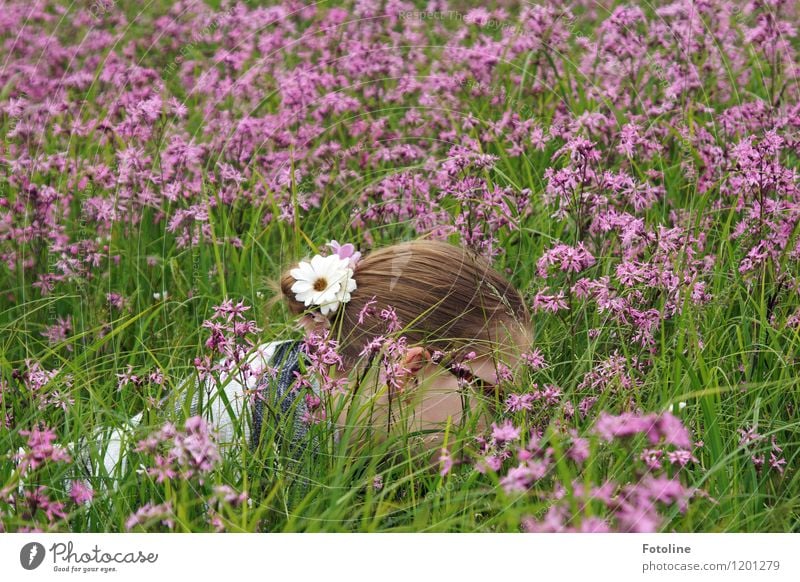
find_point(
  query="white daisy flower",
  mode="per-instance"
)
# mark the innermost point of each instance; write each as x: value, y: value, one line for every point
x: 324, y: 281
x: 348, y: 286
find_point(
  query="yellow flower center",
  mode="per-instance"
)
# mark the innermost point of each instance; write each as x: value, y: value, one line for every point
x: 321, y: 284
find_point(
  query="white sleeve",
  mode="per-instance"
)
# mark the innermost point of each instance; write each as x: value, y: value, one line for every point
x: 233, y: 388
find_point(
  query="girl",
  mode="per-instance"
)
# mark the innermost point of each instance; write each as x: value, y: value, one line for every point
x: 425, y: 330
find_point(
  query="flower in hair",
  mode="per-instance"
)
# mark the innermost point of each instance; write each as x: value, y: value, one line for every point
x: 324, y: 281
x: 345, y: 251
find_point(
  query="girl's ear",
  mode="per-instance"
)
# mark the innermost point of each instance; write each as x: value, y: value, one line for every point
x: 415, y: 358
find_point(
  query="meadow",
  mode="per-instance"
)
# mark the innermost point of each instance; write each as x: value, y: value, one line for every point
x: 631, y: 167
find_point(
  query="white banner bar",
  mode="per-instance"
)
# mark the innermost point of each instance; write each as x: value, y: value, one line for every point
x: 355, y: 557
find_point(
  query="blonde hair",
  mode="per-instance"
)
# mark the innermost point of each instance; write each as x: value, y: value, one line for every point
x: 445, y: 297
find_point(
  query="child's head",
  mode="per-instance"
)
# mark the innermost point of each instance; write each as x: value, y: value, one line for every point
x: 445, y: 298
